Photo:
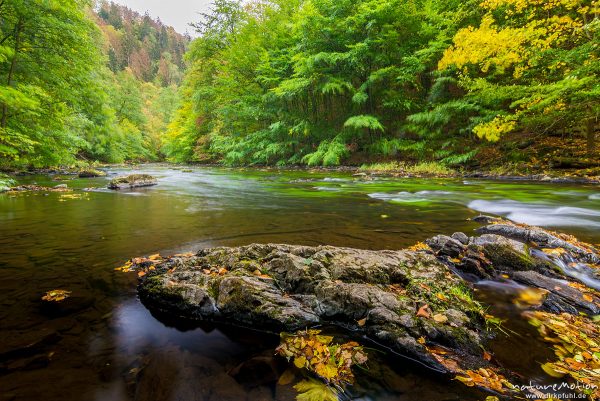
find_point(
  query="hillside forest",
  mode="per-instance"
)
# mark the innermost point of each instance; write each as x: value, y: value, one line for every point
x: 302, y: 82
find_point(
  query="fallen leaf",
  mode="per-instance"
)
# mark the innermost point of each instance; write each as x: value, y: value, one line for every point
x: 530, y: 297
x: 549, y: 369
x: 423, y: 311
x: 439, y: 318
x: 56, y: 295
x: 300, y: 361
x: 362, y: 322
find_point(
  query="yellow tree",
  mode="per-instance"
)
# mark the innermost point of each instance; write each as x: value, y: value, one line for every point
x: 537, y: 60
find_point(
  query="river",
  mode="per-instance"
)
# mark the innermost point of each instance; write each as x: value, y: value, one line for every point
x: 109, y: 347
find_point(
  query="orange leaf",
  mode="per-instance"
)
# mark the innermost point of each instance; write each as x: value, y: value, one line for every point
x: 424, y: 311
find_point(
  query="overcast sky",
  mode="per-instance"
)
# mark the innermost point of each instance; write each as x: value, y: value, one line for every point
x: 177, y: 13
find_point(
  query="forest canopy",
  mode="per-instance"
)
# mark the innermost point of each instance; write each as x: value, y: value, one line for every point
x: 309, y: 82
x: 75, y: 87
x: 323, y: 82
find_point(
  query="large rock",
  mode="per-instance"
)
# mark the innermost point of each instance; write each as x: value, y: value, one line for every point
x: 542, y: 238
x: 91, y: 173
x: 392, y: 297
x: 132, y: 181
x: 562, y: 298
x: 403, y: 301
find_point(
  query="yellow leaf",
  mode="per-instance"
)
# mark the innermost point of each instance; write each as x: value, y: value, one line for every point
x: 549, y: 369
x: 56, y: 295
x: 362, y: 322
x: 312, y: 390
x: 326, y: 371
x: 439, y: 318
x: 530, y: 297
x: 299, y: 361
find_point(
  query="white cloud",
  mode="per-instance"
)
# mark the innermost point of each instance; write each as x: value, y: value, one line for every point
x: 176, y: 13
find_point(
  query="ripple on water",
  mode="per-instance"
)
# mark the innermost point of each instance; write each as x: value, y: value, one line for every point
x: 330, y: 189
x: 409, y: 197
x: 539, y: 214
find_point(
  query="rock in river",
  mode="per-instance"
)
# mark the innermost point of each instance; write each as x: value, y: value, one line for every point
x: 393, y: 297
x: 132, y: 181
x: 91, y: 173
x: 402, y: 300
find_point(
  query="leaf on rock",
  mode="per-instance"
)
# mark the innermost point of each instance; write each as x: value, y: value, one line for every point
x: 424, y: 311
x: 318, y: 354
x: 439, y: 318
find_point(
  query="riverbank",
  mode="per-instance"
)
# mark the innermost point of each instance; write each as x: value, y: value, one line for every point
x: 388, y: 169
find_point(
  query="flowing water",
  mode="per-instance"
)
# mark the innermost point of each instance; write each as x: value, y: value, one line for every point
x: 97, y: 349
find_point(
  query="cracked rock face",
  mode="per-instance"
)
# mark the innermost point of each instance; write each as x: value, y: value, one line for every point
x: 287, y: 288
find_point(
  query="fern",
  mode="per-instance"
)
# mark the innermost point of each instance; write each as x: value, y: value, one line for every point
x: 364, y: 122
x: 329, y: 153
x: 454, y: 160
x: 337, y: 86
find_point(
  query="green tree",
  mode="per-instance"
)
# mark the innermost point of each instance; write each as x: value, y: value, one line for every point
x: 48, y: 57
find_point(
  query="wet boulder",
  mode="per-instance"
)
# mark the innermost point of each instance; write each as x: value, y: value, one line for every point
x: 447, y: 246
x: 503, y: 253
x: 562, y: 296
x: 132, y: 181
x: 542, y: 239
x: 396, y: 298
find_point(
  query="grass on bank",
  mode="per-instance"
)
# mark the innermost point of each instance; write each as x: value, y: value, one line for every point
x: 421, y: 169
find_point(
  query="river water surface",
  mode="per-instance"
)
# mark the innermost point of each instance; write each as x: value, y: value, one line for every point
x: 107, y: 346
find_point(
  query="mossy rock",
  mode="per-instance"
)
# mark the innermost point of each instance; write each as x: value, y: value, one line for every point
x: 374, y: 293
x: 91, y: 173
x: 132, y: 181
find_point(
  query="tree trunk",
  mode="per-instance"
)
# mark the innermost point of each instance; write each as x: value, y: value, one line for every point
x: 591, y: 136
x: 11, y: 70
